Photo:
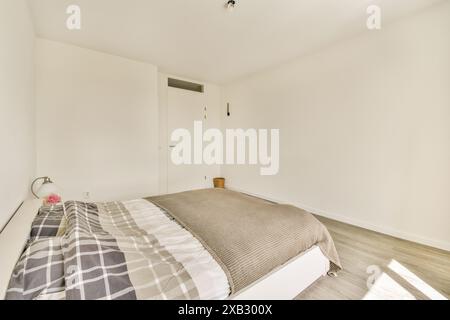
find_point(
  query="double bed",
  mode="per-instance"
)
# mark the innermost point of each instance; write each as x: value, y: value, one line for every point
x: 203, y: 244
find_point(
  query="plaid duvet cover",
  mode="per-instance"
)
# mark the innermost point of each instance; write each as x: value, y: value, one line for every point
x: 117, y: 250
x: 50, y: 222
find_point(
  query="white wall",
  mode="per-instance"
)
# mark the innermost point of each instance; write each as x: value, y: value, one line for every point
x: 365, y: 129
x: 97, y: 123
x: 17, y: 144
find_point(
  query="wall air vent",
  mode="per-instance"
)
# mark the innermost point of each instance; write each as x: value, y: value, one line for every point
x: 180, y: 84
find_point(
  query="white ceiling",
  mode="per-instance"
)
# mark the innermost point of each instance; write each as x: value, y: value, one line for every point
x: 199, y: 39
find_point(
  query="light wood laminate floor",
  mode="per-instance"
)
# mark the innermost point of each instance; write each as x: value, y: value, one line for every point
x: 408, y: 270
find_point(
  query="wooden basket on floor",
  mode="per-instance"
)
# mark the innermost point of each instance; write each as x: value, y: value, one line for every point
x: 219, y: 183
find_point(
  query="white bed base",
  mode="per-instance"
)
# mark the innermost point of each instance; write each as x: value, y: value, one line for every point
x: 289, y: 280
x: 284, y: 283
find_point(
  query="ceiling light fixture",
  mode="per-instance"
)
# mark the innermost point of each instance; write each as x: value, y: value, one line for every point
x: 230, y: 5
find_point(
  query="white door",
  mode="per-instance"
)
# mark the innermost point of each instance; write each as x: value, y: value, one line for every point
x: 185, y: 107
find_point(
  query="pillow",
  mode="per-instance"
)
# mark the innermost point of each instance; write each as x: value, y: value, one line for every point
x: 50, y: 222
x: 39, y: 273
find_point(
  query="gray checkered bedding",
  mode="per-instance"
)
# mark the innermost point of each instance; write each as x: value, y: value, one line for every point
x: 40, y: 269
x: 50, y: 222
x: 114, y: 251
x: 39, y: 272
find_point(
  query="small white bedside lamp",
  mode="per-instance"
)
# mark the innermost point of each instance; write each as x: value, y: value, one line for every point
x: 47, y: 188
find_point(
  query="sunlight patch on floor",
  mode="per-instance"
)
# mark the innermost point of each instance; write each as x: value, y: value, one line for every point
x: 386, y: 288
x: 415, y: 281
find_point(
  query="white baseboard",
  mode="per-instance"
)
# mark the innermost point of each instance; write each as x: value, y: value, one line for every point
x: 360, y: 223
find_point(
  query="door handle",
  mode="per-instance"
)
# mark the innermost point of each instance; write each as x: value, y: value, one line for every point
x: 172, y: 146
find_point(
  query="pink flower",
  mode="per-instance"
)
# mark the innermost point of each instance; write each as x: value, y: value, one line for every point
x: 53, y: 199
